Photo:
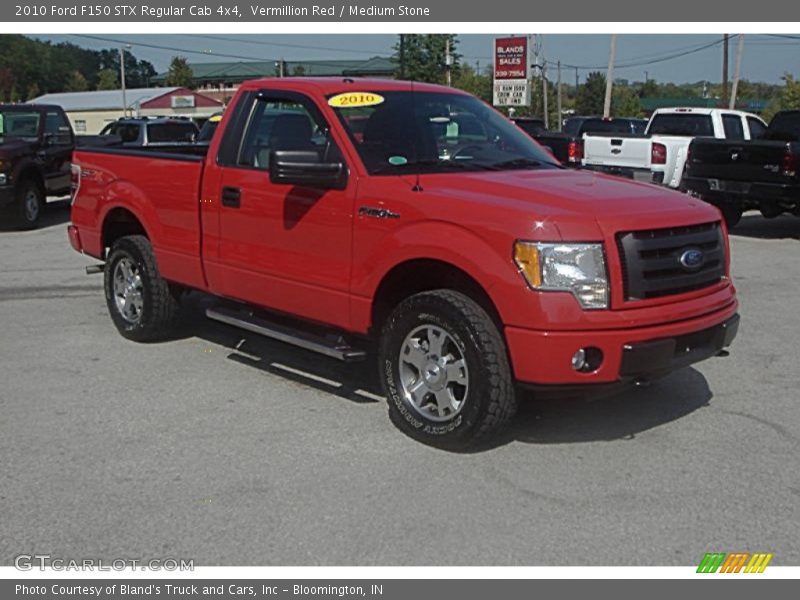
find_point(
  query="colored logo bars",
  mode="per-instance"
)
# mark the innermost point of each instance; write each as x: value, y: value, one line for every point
x: 735, y: 562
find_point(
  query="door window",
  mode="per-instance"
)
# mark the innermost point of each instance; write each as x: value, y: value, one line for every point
x: 284, y: 124
x: 57, y: 126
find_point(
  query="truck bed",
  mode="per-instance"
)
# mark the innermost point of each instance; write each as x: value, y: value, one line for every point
x: 162, y: 186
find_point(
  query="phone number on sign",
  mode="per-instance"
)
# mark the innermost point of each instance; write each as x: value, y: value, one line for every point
x: 125, y: 10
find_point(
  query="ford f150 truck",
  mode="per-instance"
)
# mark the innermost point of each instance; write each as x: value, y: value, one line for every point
x: 761, y: 174
x: 36, y: 143
x: 341, y: 214
x: 660, y: 156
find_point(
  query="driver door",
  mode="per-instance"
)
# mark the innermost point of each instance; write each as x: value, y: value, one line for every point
x: 285, y: 247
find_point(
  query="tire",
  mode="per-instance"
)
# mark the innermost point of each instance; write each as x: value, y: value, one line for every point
x: 445, y: 371
x: 30, y: 204
x: 140, y: 302
x: 731, y: 214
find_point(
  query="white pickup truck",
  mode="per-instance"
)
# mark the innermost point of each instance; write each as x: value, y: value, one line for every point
x: 660, y: 155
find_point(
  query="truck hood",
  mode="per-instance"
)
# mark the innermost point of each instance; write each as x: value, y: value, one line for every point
x: 571, y: 199
x: 12, y: 148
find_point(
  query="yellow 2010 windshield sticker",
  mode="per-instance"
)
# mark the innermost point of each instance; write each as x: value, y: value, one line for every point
x: 355, y: 99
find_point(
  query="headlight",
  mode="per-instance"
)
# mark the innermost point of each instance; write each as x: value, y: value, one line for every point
x: 576, y: 268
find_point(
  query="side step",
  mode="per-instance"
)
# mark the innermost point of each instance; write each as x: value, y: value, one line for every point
x: 335, y: 347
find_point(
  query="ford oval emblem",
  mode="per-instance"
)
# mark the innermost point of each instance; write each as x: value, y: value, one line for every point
x: 692, y: 258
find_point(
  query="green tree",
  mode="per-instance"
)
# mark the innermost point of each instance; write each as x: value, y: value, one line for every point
x: 649, y: 89
x: 180, y: 73
x: 790, y: 95
x: 107, y: 80
x: 591, y: 95
x: 625, y: 102
x: 423, y: 57
x: 33, y: 91
x: 76, y: 82
x: 469, y: 80
x: 299, y: 71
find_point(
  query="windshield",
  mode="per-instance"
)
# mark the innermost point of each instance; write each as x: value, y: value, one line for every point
x: 682, y: 124
x: 432, y: 132
x: 19, y: 124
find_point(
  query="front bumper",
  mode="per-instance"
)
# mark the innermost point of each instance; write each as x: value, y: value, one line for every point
x: 637, y: 354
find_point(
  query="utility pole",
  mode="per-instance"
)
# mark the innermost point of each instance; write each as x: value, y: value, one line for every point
x: 122, y: 81
x: 737, y: 71
x: 543, y: 67
x: 448, y: 61
x: 558, y: 95
x: 612, y: 54
x: 725, y: 69
x: 577, y: 81
x: 402, y: 56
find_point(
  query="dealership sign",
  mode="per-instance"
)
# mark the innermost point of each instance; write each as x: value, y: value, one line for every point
x: 511, y: 84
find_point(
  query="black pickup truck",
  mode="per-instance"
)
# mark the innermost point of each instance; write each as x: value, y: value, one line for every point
x: 36, y: 143
x: 762, y: 174
x: 567, y: 145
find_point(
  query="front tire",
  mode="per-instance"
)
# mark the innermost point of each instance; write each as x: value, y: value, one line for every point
x: 30, y: 204
x: 140, y: 301
x: 445, y: 370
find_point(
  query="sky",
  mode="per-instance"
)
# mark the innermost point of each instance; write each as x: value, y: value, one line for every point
x: 765, y: 58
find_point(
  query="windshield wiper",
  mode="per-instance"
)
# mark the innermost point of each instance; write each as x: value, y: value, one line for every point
x: 517, y: 163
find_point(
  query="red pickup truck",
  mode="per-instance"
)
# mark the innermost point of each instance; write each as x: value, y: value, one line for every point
x: 336, y: 213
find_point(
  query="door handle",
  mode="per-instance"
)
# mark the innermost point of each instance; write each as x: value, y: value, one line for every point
x: 231, y: 197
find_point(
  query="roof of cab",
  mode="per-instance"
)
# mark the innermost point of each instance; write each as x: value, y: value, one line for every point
x: 338, y: 85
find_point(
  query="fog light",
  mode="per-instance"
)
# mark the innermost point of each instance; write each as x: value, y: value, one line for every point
x: 587, y: 360
x: 579, y: 360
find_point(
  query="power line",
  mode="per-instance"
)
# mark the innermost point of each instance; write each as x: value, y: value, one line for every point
x: 200, y: 52
x: 283, y: 44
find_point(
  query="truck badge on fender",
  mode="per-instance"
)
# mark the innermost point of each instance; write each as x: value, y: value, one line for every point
x: 377, y: 213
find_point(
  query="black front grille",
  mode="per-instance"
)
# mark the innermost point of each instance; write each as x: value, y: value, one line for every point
x: 651, y: 260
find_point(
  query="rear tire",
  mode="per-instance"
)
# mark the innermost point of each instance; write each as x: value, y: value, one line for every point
x: 445, y: 370
x: 30, y: 204
x: 140, y: 301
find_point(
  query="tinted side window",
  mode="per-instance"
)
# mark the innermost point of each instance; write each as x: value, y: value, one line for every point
x: 129, y: 133
x: 161, y: 133
x: 283, y: 124
x: 56, y: 124
x: 732, y: 124
x: 757, y: 128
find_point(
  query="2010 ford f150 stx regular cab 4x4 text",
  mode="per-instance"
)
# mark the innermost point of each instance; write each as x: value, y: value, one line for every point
x: 419, y: 217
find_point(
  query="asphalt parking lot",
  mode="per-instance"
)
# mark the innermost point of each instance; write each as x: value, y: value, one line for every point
x: 229, y: 449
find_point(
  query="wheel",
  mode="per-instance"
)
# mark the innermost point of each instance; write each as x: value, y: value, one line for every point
x: 30, y: 202
x: 731, y: 214
x: 140, y: 302
x: 444, y: 370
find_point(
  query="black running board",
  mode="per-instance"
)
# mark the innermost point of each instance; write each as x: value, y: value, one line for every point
x: 335, y: 347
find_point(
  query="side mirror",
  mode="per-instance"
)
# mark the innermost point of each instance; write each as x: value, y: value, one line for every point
x: 305, y: 168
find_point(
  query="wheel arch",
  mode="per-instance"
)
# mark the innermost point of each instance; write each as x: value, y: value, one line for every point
x: 119, y: 222
x: 417, y: 275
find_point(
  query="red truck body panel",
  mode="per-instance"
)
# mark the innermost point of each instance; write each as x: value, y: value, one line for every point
x: 311, y: 254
